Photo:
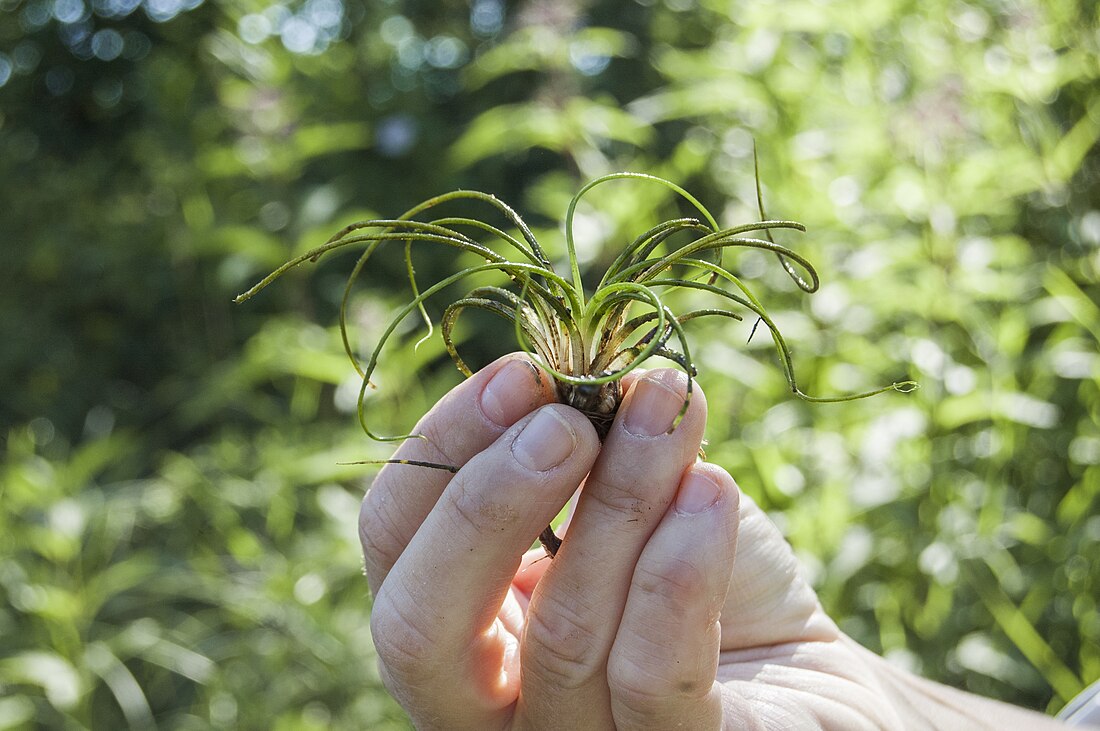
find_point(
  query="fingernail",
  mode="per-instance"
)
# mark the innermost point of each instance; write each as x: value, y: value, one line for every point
x: 545, y: 442
x: 654, y: 404
x: 697, y: 493
x: 507, y: 396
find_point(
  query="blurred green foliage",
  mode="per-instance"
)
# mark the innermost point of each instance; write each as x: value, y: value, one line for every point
x: 177, y: 539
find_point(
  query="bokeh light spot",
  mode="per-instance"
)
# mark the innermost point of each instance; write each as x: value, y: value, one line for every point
x: 107, y: 44
x: 254, y: 28
x: 396, y: 135
x: 69, y: 11
x: 486, y: 17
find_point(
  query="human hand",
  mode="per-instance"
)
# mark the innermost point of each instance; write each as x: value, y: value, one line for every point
x: 644, y: 620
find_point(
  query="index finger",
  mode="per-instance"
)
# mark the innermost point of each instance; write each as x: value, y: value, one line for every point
x: 464, y: 422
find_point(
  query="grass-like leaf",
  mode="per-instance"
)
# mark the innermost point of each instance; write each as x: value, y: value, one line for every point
x: 586, y: 340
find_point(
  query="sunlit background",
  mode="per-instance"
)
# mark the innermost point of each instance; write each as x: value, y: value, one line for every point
x: 177, y: 536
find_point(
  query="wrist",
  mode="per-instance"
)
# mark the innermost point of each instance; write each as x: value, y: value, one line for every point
x: 923, y: 705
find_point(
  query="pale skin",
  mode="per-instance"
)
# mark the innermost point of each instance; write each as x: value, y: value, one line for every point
x: 673, y: 603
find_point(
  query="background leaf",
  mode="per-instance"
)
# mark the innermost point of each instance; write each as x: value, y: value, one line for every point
x: 177, y: 544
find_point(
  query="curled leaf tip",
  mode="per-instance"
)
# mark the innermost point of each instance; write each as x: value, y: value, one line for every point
x: 906, y: 386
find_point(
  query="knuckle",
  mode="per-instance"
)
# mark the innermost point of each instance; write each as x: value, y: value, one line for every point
x: 479, y: 511
x: 559, y: 649
x: 370, y: 522
x: 644, y: 683
x: 673, y: 584
x: 377, y: 533
x: 636, y: 687
x: 403, y: 648
x: 628, y: 497
x: 440, y: 443
x: 391, y: 684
